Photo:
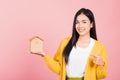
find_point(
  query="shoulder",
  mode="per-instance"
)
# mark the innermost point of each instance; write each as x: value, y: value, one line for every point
x: 65, y: 40
x: 100, y: 44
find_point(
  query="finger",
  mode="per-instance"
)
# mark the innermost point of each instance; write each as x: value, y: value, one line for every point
x: 93, y: 55
x: 98, y: 54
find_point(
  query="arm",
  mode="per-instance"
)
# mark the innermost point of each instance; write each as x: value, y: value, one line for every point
x: 52, y: 64
x: 102, y: 70
x: 55, y: 63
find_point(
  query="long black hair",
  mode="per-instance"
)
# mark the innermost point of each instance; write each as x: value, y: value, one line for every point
x: 75, y: 34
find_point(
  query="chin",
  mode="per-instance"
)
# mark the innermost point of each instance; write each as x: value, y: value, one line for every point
x: 81, y: 33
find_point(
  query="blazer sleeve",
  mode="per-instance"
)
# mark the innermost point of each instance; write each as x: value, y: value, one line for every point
x: 102, y: 70
x: 54, y: 64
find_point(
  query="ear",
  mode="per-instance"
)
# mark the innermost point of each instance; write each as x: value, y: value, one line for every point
x: 91, y: 25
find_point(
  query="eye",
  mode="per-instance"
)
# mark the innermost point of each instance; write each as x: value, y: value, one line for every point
x: 84, y: 22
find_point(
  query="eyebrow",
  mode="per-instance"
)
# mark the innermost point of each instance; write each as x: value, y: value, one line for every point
x: 82, y: 20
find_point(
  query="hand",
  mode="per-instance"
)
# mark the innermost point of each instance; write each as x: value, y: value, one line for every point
x: 97, y: 59
x: 40, y: 53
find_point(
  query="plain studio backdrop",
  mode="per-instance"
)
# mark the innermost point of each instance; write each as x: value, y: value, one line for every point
x: 52, y: 20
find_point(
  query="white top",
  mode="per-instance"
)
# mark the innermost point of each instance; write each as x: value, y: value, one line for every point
x: 78, y: 59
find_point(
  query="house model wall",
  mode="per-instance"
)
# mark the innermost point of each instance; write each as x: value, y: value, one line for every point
x: 36, y: 45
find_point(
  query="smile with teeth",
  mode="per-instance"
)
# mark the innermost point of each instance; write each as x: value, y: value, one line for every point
x: 81, y: 29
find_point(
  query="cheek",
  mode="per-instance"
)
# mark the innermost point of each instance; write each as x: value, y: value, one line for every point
x: 77, y: 27
x: 88, y: 26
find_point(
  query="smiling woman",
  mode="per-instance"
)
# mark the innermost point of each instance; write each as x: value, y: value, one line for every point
x: 83, y: 25
x: 82, y: 56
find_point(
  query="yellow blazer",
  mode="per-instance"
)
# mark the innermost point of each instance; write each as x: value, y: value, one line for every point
x: 92, y: 71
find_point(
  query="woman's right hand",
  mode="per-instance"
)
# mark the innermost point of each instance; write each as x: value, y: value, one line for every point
x: 42, y: 54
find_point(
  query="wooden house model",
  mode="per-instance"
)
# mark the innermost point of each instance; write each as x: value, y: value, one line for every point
x: 36, y: 45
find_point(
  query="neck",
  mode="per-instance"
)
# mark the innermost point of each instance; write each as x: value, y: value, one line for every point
x: 83, y: 41
x: 84, y: 38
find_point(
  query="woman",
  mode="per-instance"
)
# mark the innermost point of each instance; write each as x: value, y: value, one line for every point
x: 82, y: 56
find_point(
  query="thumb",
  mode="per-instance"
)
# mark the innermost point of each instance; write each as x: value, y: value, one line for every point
x: 93, y: 55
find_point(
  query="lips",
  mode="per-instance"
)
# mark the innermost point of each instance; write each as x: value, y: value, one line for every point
x: 81, y: 29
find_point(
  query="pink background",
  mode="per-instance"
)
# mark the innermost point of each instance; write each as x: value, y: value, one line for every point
x: 51, y: 20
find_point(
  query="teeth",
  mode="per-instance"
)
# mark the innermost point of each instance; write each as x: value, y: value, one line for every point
x: 82, y: 29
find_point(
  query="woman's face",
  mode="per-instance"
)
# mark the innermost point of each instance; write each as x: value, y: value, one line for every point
x: 83, y: 25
